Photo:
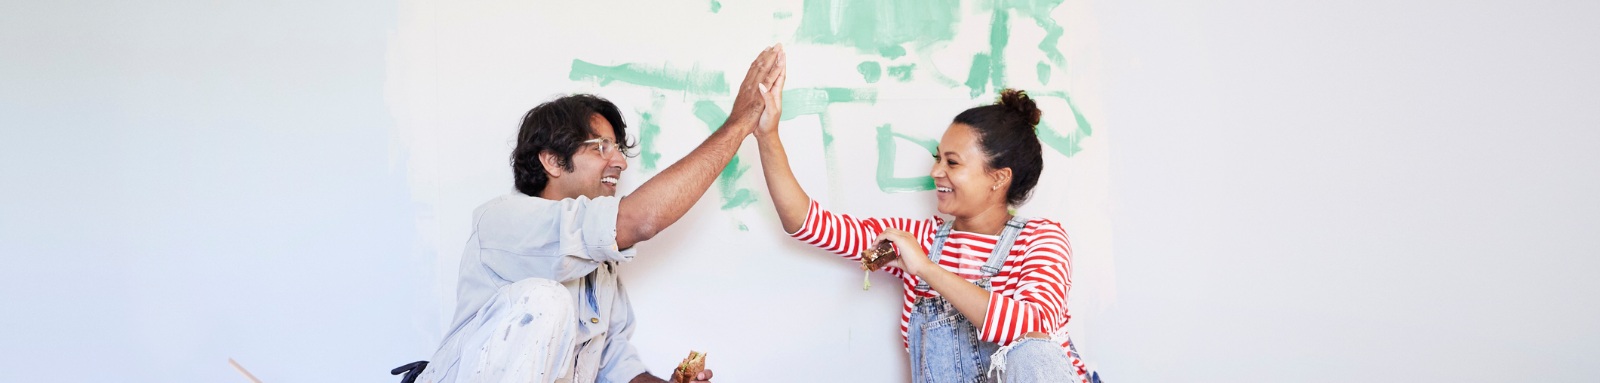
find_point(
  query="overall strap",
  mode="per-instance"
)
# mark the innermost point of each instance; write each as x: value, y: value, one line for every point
x: 1002, y: 250
x: 938, y: 249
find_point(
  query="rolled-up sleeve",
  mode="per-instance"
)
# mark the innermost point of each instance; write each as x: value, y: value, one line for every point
x: 620, y: 361
x: 589, y: 229
x: 526, y: 237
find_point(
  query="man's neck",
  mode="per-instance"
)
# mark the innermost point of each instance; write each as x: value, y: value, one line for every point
x: 552, y: 193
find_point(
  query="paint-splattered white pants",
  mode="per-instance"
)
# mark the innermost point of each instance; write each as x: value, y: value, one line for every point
x: 525, y: 333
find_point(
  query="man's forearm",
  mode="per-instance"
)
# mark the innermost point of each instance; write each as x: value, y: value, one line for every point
x: 668, y: 196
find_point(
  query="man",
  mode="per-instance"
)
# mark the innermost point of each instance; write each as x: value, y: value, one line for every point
x: 539, y: 299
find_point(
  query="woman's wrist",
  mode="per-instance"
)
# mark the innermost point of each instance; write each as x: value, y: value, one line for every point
x: 924, y: 271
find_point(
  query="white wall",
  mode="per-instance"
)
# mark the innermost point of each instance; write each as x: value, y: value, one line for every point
x: 1380, y: 191
x: 1376, y: 191
x: 185, y: 182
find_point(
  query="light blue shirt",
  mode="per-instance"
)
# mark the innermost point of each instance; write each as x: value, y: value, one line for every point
x: 572, y: 241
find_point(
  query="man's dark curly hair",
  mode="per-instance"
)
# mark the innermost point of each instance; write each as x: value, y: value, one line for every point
x: 559, y: 126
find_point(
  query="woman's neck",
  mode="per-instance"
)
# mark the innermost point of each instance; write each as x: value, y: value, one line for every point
x: 989, y: 221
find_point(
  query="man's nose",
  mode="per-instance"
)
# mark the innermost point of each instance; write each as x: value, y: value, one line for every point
x: 619, y: 161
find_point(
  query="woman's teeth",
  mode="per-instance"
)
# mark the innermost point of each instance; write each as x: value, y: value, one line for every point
x: 609, y: 181
x: 943, y: 189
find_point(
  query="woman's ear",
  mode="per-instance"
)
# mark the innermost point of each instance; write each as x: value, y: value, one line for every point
x: 552, y: 163
x: 1001, y: 178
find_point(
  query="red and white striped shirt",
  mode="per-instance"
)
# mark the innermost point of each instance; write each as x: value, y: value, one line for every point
x: 1028, y: 294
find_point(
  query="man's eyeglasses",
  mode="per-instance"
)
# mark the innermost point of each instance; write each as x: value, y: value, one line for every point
x: 605, y: 146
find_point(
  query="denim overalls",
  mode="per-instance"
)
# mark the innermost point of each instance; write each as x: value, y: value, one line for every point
x: 944, y: 345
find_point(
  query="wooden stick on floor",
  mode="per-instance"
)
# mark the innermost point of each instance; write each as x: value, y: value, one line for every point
x: 241, y: 369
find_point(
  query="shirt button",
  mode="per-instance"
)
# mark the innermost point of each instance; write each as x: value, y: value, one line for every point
x: 594, y: 320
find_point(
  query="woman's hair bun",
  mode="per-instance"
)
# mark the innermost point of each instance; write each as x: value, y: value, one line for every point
x: 1017, y: 101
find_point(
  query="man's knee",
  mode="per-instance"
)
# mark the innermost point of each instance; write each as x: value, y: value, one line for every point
x: 537, y: 308
x: 545, y: 294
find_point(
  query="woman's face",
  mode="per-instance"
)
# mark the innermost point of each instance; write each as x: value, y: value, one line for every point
x: 961, y: 176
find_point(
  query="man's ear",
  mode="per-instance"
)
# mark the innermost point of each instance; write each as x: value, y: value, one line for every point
x: 552, y: 163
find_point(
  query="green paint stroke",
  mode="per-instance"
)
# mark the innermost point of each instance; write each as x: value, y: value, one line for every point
x: 878, y: 26
x: 902, y: 73
x: 978, y: 76
x: 999, y: 35
x: 886, y: 155
x: 811, y: 101
x: 892, y: 51
x: 782, y: 15
x: 1039, y: 11
x: 693, y: 81
x: 711, y: 114
x: 1067, y: 144
x: 716, y: 6
x: 815, y: 101
x: 649, y: 129
x: 733, y: 196
x: 870, y: 71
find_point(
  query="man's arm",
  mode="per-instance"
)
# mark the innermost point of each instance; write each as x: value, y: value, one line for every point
x: 668, y: 196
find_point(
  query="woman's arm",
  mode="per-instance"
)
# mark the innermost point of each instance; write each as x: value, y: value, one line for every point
x: 1035, y: 298
x: 788, y: 198
x: 969, y: 299
x: 1035, y: 289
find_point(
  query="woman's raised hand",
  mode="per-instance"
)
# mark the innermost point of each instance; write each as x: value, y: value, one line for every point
x: 772, y: 96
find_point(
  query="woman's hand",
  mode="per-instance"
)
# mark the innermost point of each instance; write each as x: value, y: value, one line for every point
x: 772, y: 97
x: 912, y: 258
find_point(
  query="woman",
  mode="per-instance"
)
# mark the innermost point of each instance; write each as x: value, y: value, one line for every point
x: 991, y: 301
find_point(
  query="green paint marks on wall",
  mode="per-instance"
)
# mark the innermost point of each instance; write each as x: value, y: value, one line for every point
x: 887, y: 182
x: 999, y: 35
x: 870, y: 71
x: 716, y: 6
x: 810, y: 101
x: 1039, y: 11
x: 892, y: 51
x: 782, y: 15
x: 878, y: 26
x: 711, y: 114
x: 902, y: 73
x: 978, y: 76
x: 815, y: 101
x: 1067, y: 144
x: 733, y: 196
x: 649, y: 129
x: 692, y: 81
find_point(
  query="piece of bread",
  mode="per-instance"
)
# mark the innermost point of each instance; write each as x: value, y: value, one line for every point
x: 689, y: 368
x: 874, y: 257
